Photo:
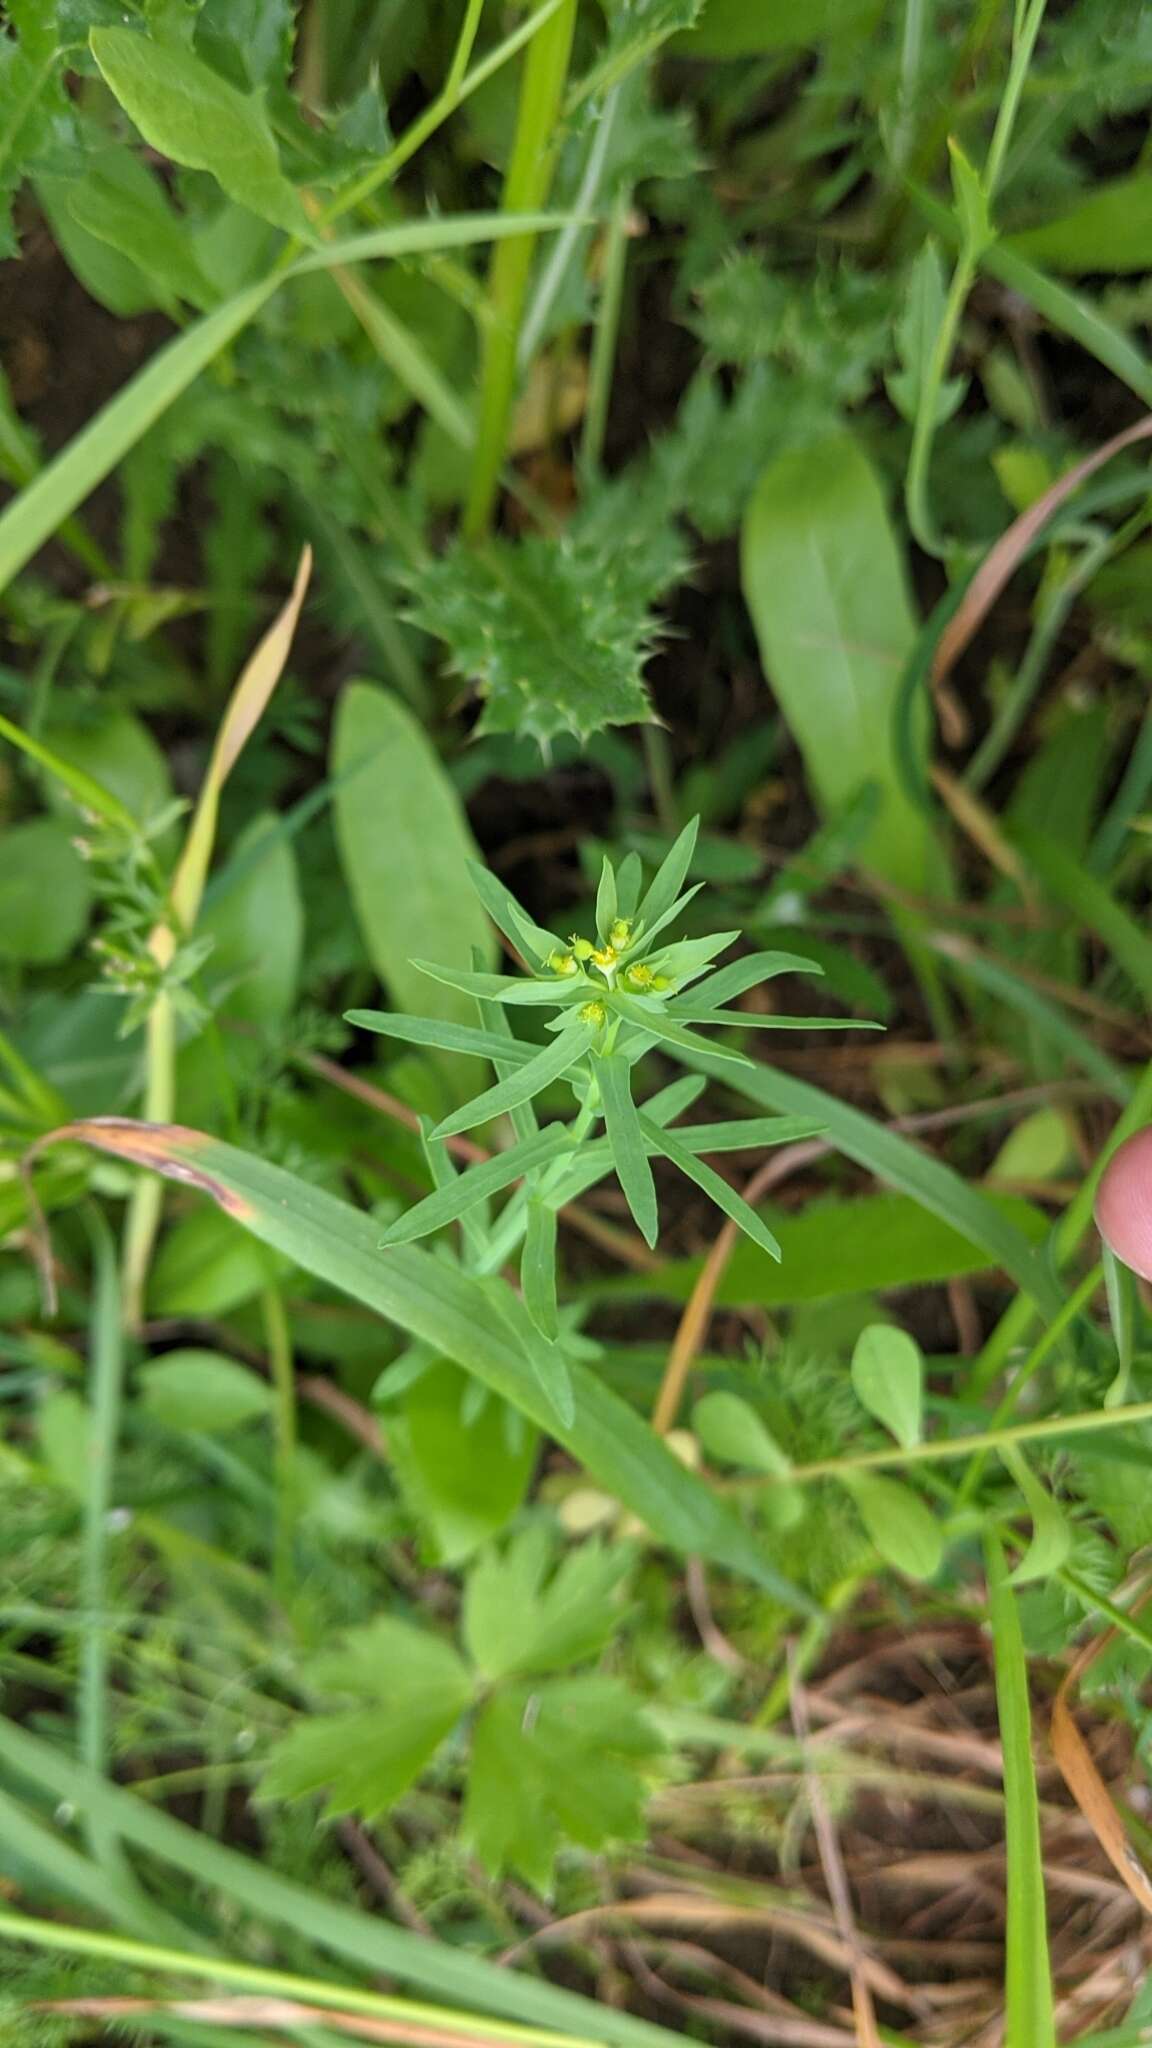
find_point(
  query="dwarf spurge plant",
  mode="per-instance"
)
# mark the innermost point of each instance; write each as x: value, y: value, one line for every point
x: 624, y: 992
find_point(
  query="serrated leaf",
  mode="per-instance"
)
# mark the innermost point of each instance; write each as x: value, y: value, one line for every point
x: 626, y: 1142
x: 554, y: 634
x: 191, y: 115
x: 553, y: 1764
x: 732, y: 1433
x: 888, y: 1375
x: 518, y: 1620
x: 903, y: 1530
x: 416, y: 1688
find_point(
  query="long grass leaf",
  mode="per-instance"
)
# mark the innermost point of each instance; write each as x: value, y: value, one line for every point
x: 449, y: 1311
x: 898, y: 1164
x: 1028, y: 1984
x: 369, y: 1941
x: 1091, y: 903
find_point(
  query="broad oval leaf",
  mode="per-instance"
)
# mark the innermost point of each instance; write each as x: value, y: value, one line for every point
x: 888, y: 1375
x: 405, y: 845
x: 193, y: 116
x: 905, y: 1532
x: 732, y: 1432
x: 826, y: 588
x: 202, y: 1390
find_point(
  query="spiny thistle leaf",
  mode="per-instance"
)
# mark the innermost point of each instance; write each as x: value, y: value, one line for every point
x: 555, y: 633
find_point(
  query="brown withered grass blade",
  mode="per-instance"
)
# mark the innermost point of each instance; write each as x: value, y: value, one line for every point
x: 1003, y: 559
x: 1084, y: 1781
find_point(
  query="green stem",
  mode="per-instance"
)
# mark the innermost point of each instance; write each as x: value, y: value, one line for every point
x: 105, y: 1402
x: 142, y: 1219
x: 84, y: 1941
x: 924, y: 432
x: 456, y: 89
x: 1047, y: 1342
x: 526, y: 190
x: 944, y: 1448
x: 278, y: 1338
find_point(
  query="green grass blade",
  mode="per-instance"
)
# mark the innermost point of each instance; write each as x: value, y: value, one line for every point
x: 626, y: 1142
x: 442, y: 1033
x: 544, y: 1068
x: 1091, y: 903
x: 447, y: 1204
x: 900, y: 1165
x: 368, y: 1941
x: 34, y: 516
x: 1046, y: 1017
x: 1028, y: 1984
x: 450, y: 1312
x: 88, y: 793
x: 746, y: 1134
x: 725, y: 1197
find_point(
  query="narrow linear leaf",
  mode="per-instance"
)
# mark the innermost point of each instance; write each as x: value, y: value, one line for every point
x: 900, y: 1165
x: 606, y: 899
x: 669, y: 878
x: 754, y: 1020
x: 509, y: 988
x: 1092, y: 903
x: 656, y: 1021
x: 744, y: 1134
x: 538, y: 1269
x: 445, y: 1205
x: 511, y: 918
x: 626, y: 1141
x: 741, y: 975
x: 705, y: 1177
x: 442, y: 1033
x: 546, y: 1067
x: 1028, y: 1985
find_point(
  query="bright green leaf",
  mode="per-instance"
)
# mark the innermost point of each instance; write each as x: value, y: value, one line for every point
x: 44, y: 892
x: 202, y: 1390
x: 732, y: 1433
x: 521, y: 1619
x: 904, y: 1531
x: 888, y: 1375
x: 192, y: 115
x: 552, y: 1764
